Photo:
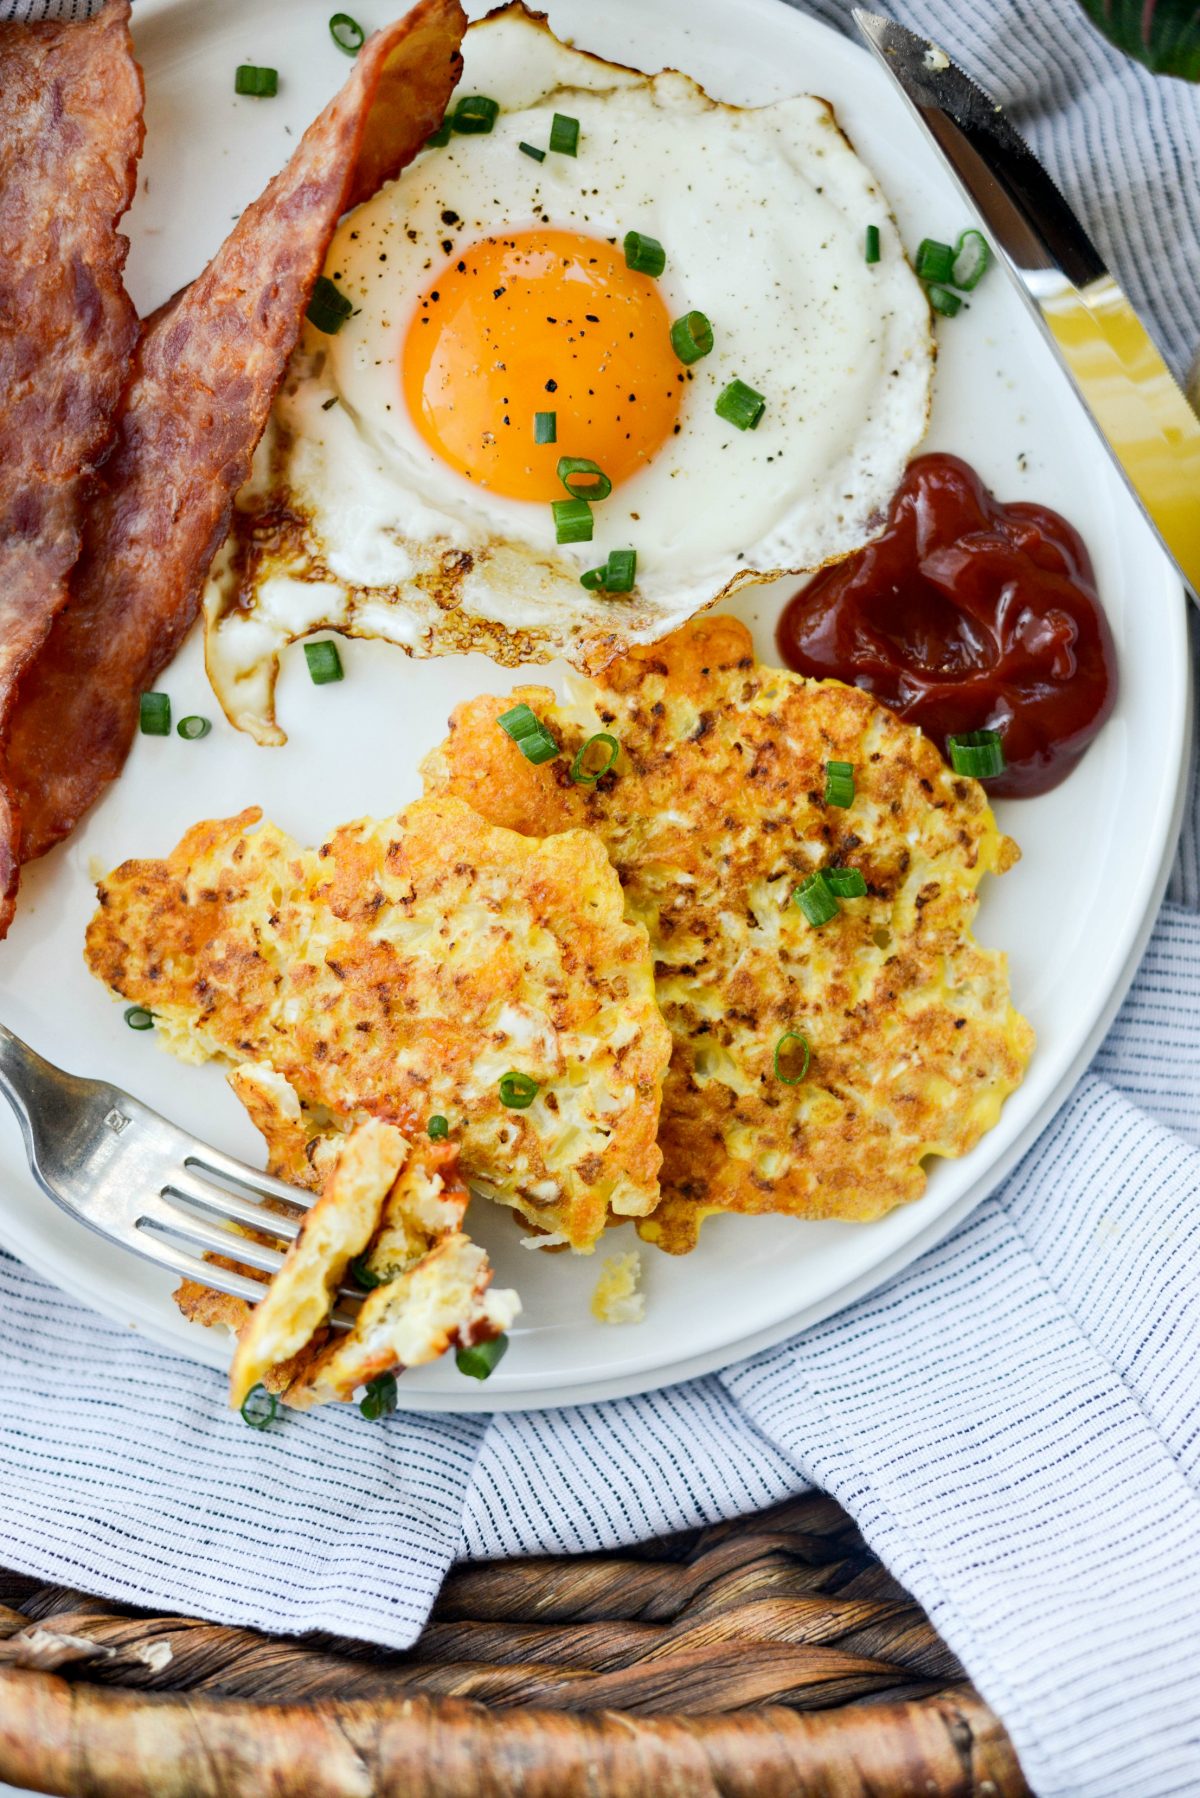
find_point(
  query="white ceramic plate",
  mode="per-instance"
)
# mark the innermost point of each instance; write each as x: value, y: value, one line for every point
x: 1073, y: 914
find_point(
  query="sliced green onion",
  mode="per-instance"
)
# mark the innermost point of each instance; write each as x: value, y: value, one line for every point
x: 545, y: 427
x: 645, y: 254
x: 781, y: 1052
x: 572, y: 520
x: 475, y: 114
x: 379, y: 1400
x: 328, y: 309
x: 529, y: 734
x: 437, y: 1129
x: 439, y: 138
x: 347, y: 33
x: 935, y: 261
x: 138, y: 1018
x: 259, y: 1408
x: 362, y: 1275
x: 979, y: 753
x: 943, y: 300
x: 839, y: 784
x: 586, y: 776
x: 691, y: 337
x: 595, y: 486
x: 261, y: 84
x: 324, y: 662
x: 154, y: 715
x: 564, y: 134
x: 815, y: 900
x: 482, y: 1359
x: 621, y: 570
x: 532, y: 150
x: 518, y: 1091
x: 845, y: 883
x: 871, y: 244
x: 739, y: 405
x: 972, y: 256
x: 193, y: 728
x: 617, y: 575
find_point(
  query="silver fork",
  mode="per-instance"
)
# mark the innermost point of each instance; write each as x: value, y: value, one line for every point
x: 142, y: 1182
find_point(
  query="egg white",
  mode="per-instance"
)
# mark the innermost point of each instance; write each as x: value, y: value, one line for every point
x: 762, y: 213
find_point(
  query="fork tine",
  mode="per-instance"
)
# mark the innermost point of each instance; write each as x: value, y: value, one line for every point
x: 204, y: 1234
x: 188, y: 1185
x: 155, y: 1247
x: 247, y: 1179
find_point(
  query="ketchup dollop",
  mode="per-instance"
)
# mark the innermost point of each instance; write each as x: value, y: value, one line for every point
x: 964, y: 615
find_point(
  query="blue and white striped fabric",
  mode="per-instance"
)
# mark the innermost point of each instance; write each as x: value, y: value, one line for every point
x: 1014, y: 1421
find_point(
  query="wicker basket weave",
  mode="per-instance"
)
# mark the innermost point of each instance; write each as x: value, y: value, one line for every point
x: 765, y: 1658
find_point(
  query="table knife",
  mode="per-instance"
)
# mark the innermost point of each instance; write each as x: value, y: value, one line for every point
x: 1140, y: 413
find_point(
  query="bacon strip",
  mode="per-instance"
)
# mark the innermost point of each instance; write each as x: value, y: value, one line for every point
x: 70, y: 137
x: 206, y: 372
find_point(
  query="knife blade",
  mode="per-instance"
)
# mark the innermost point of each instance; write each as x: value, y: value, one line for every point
x: 1140, y: 413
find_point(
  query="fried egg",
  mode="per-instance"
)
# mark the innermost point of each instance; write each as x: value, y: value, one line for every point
x: 405, y: 486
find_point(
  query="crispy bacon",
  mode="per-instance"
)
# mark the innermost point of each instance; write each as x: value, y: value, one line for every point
x: 206, y: 371
x: 70, y: 137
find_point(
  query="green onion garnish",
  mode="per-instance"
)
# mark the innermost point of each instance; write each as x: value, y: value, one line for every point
x: 362, y: 1274
x: 483, y: 1358
x: 437, y: 1129
x: 475, y: 114
x: 138, y: 1018
x: 839, y: 784
x: 532, y: 150
x: 972, y: 255
x: 154, y: 715
x: 328, y: 309
x: 324, y: 662
x: 617, y: 575
x: 845, y: 883
x: 815, y: 900
x: 645, y: 254
x: 259, y: 1408
x: 529, y: 734
x: 871, y: 244
x: 586, y: 776
x: 193, y: 728
x: 545, y: 427
x: 518, y: 1091
x: 739, y: 405
x: 935, y: 261
x: 979, y: 753
x: 782, y: 1056
x: 595, y: 486
x: 379, y: 1400
x: 564, y: 134
x: 438, y: 139
x: 347, y: 33
x: 691, y: 337
x: 262, y: 84
x: 943, y: 300
x: 572, y: 520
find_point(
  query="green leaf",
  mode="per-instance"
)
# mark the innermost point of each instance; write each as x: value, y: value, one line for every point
x: 1163, y: 34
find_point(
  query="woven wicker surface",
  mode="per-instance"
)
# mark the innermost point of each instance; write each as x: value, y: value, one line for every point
x: 765, y: 1658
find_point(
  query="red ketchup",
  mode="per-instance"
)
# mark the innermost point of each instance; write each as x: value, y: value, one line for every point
x: 967, y: 615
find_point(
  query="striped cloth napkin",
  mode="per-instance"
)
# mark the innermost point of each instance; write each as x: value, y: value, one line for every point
x: 1014, y: 1421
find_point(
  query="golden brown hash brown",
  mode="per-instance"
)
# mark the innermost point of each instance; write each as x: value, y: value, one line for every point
x: 713, y: 814
x: 400, y: 971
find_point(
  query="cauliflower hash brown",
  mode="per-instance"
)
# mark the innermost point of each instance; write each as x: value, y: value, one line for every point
x: 402, y: 970
x: 432, y: 1294
x: 713, y: 813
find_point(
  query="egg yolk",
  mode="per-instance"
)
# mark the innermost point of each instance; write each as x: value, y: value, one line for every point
x: 541, y: 321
